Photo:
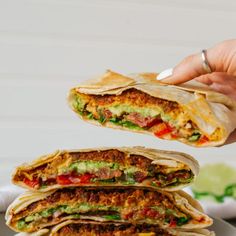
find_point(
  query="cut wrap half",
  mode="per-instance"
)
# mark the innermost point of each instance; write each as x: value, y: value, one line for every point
x: 123, y: 166
x: 92, y: 228
x: 187, y: 113
x: 34, y: 211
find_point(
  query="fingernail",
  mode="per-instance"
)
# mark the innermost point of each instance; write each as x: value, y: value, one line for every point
x: 164, y: 74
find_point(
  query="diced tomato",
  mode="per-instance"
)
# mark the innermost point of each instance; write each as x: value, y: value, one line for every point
x: 173, y: 223
x: 145, y: 210
x: 128, y: 215
x: 31, y: 183
x: 152, y: 213
x: 164, y: 129
x: 203, y: 140
x: 86, y: 178
x: 201, y: 219
x: 149, y: 212
x: 174, y: 136
x: 63, y: 179
x: 74, y: 179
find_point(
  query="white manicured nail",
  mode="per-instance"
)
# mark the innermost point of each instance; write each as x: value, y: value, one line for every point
x: 164, y: 74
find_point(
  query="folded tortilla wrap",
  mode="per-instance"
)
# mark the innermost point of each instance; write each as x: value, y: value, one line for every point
x: 123, y: 166
x: 188, y: 113
x: 92, y: 228
x: 34, y: 210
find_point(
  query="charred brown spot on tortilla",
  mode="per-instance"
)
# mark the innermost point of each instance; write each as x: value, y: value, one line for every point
x: 110, y: 230
x: 125, y: 204
x: 111, y: 165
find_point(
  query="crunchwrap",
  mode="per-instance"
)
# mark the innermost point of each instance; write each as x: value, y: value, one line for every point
x: 31, y: 212
x: 117, y: 166
x: 92, y: 228
x: 189, y: 113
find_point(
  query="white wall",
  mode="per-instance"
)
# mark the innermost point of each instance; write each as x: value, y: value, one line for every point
x: 47, y: 46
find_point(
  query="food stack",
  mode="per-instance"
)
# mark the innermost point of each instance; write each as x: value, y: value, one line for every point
x: 108, y: 191
x: 120, y: 190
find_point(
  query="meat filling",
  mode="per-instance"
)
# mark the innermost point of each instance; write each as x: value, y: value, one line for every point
x: 135, y: 109
x: 104, y: 167
x: 110, y: 230
x: 127, y: 205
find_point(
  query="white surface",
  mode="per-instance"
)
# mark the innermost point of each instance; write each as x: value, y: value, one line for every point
x: 47, y: 46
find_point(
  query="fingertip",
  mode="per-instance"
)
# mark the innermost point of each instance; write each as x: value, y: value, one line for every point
x: 164, y: 74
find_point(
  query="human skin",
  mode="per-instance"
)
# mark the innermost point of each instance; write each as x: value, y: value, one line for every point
x: 222, y: 61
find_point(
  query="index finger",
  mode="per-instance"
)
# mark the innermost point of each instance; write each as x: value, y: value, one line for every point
x: 190, y: 68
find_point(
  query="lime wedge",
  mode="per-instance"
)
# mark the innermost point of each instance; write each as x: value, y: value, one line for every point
x: 214, y: 179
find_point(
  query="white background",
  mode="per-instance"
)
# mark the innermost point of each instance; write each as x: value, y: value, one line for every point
x: 48, y: 46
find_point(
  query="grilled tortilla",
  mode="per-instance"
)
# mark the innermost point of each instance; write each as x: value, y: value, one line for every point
x: 34, y: 211
x: 124, y: 166
x: 92, y: 228
x: 140, y: 103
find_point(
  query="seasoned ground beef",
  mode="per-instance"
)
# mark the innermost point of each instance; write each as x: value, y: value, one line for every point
x: 112, y: 156
x: 47, y: 173
x: 111, y: 197
x: 130, y: 96
x: 110, y: 230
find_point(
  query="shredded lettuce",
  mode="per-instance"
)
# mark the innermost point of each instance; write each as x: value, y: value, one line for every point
x: 112, y: 217
x: 124, y: 123
x: 21, y: 224
x: 195, y: 137
x: 182, y: 221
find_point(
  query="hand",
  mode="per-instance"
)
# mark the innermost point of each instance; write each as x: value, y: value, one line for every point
x: 222, y: 61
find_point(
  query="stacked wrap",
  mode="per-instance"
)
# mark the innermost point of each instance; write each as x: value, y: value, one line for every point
x: 108, y: 191
x: 189, y: 113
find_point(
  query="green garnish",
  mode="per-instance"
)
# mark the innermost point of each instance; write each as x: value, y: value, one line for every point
x: 124, y: 123
x: 76, y: 216
x: 194, y: 137
x: 21, y: 224
x: 114, y: 120
x: 47, y: 213
x: 112, y: 217
x: 43, y: 186
x: 102, y: 119
x: 79, y: 104
x: 154, y: 184
x: 90, y: 116
x: 130, y: 125
x: 182, y: 220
